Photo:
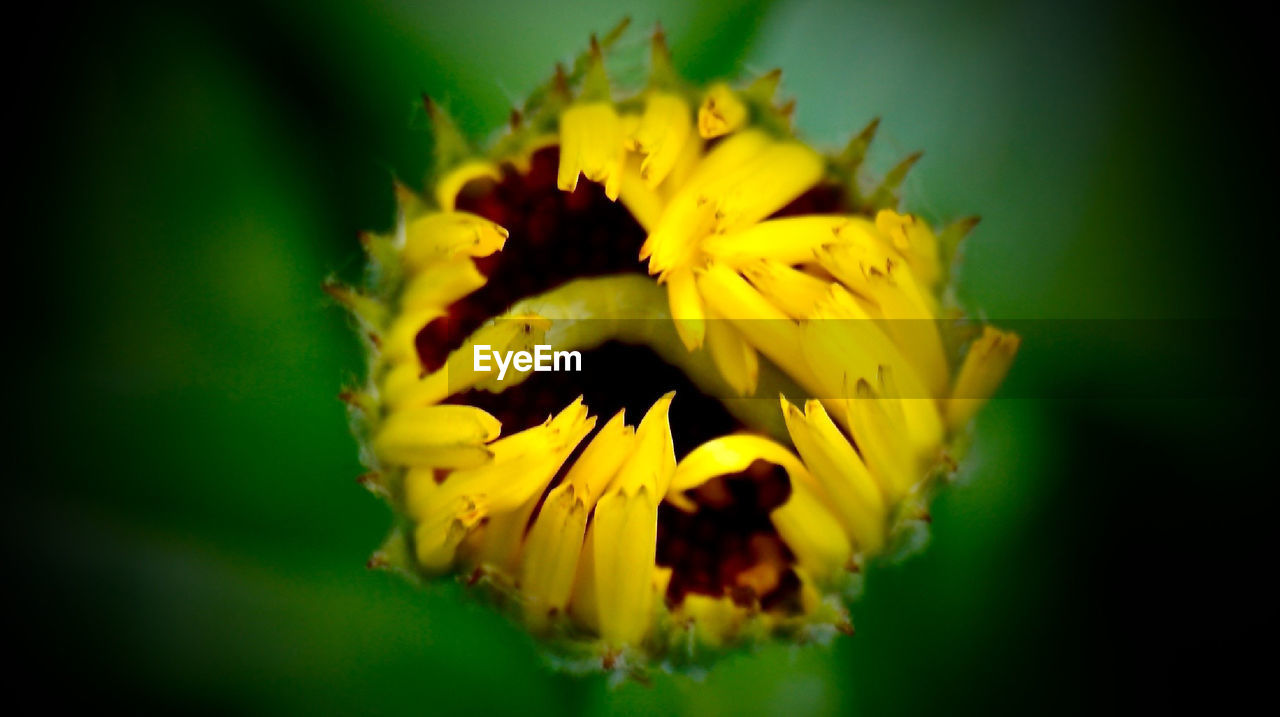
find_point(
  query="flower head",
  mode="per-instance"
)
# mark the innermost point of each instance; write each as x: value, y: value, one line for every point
x: 707, y: 261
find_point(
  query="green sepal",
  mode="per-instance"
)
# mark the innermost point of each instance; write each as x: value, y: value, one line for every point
x: 949, y: 240
x: 396, y: 555
x: 847, y: 165
x: 450, y: 146
x: 887, y: 195
x: 662, y: 73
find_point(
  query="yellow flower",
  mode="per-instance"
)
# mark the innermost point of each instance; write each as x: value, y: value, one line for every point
x: 695, y: 281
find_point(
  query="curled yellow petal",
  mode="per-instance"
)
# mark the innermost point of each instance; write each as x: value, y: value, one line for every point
x: 407, y: 385
x: 448, y: 187
x: 441, y: 530
x: 584, y: 603
x: 887, y: 292
x: 722, y: 112
x: 654, y: 459
x: 444, y: 436
x: 440, y: 284
x: 861, y: 256
x: 398, y: 345
x: 726, y: 455
x: 501, y: 547
x: 984, y: 367
x: 816, y: 537
x: 520, y: 332
x: 804, y: 522
x: 444, y: 235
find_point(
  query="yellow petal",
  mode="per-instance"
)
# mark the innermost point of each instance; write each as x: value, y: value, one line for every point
x: 721, y: 112
x: 689, y: 216
x: 437, y: 541
x: 877, y: 426
x: 448, y: 187
x: 661, y: 135
x: 517, y: 332
x: 506, y: 491
x: 728, y: 157
x: 406, y: 385
x: 523, y: 462
x: 441, y: 521
x: 644, y: 203
x: 445, y: 235
x: 441, y: 284
x: 400, y: 342
x: 733, y: 356
x: 856, y: 499
x: 445, y: 436
x: 584, y: 603
x: 915, y: 240
x: 686, y: 308
x: 654, y: 458
x: 555, y: 541
x: 761, y: 323
x: 728, y: 455
x: 843, y: 345
x: 984, y: 367
x: 791, y: 240
x: 770, y: 181
x: 888, y: 292
x: 625, y: 532
x: 686, y: 162
x: 625, y: 543
x: 804, y: 523
x: 862, y: 253
x: 914, y: 332
x: 551, y: 554
x: 714, y: 620
x: 591, y: 144
x: 812, y: 532
x: 791, y: 290
x: 595, y: 469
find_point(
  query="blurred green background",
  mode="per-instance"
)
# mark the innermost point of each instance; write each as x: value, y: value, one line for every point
x: 185, y: 523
